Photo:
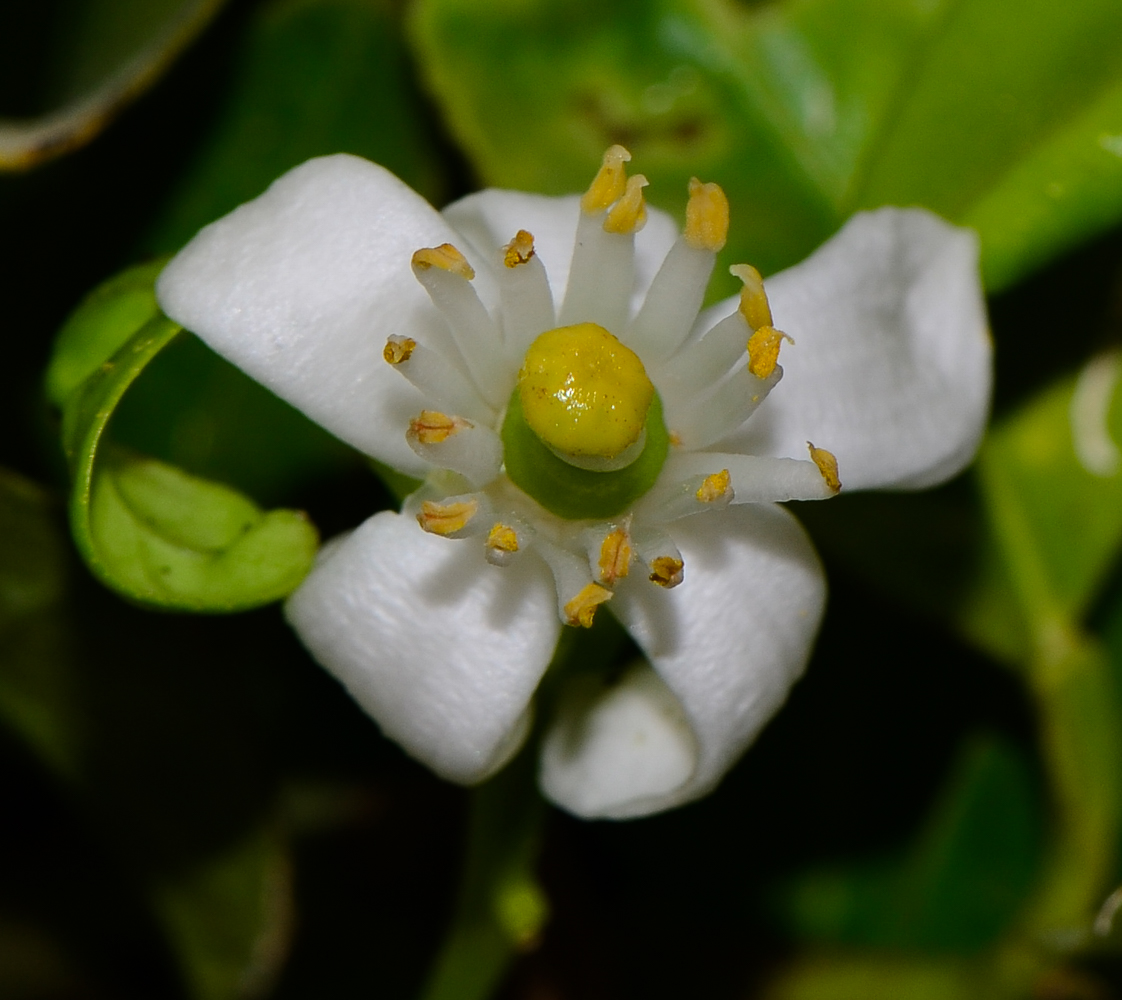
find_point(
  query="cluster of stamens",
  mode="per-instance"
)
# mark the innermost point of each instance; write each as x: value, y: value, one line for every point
x: 576, y: 429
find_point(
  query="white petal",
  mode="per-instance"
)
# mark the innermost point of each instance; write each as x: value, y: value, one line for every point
x: 490, y: 219
x: 441, y: 648
x: 891, y: 368
x: 729, y: 642
x: 624, y: 742
x: 301, y: 287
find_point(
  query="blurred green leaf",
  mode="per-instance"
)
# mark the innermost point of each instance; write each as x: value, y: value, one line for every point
x: 230, y: 920
x: 104, y: 54
x: 37, y: 699
x: 876, y: 977
x: 804, y: 111
x: 148, y: 529
x: 961, y: 883
x: 1052, y: 477
x: 313, y: 77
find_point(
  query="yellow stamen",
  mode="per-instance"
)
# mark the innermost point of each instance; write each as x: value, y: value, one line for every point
x: 519, y: 250
x: 398, y: 349
x: 581, y: 610
x: 630, y: 213
x: 666, y: 571
x: 446, y: 257
x: 608, y: 185
x: 615, y: 556
x: 827, y: 465
x: 763, y: 350
x: 446, y: 518
x: 432, y: 427
x: 753, y: 299
x: 502, y: 538
x: 675, y: 439
x: 716, y: 487
x: 707, y: 216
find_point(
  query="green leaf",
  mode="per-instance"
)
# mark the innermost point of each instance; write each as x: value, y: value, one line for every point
x: 150, y: 530
x: 100, y: 326
x: 804, y: 111
x: 962, y: 882
x: 102, y: 55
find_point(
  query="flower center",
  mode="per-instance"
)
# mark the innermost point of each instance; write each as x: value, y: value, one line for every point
x: 586, y: 396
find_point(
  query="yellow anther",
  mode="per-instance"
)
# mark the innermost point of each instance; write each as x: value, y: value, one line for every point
x: 715, y: 487
x: 827, y: 465
x: 608, y: 185
x: 615, y: 556
x: 581, y: 610
x: 583, y: 393
x: 753, y: 299
x: 398, y: 349
x: 446, y: 257
x: 432, y: 427
x: 502, y: 538
x: 675, y: 439
x: 707, y: 217
x: 630, y: 213
x: 666, y: 571
x: 519, y: 250
x: 763, y: 350
x: 446, y: 518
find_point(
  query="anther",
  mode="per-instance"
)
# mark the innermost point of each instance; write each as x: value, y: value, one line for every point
x: 608, y: 185
x: 827, y: 465
x: 763, y: 350
x: 433, y: 427
x: 753, y: 299
x: 446, y: 518
x: 519, y: 250
x: 707, y: 217
x: 630, y: 213
x: 715, y: 488
x: 615, y: 556
x: 398, y: 349
x: 446, y: 257
x: 501, y: 544
x: 581, y: 610
x: 667, y: 571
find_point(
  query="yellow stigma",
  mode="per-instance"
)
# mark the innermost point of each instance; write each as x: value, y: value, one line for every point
x: 666, y: 571
x: 502, y: 538
x: 630, y: 212
x: 827, y: 465
x: 446, y: 257
x: 608, y: 185
x: 432, y: 427
x: 581, y: 610
x: 519, y: 250
x: 753, y: 300
x: 763, y: 350
x: 615, y: 556
x: 583, y: 393
x: 446, y: 518
x: 707, y: 217
x: 715, y: 487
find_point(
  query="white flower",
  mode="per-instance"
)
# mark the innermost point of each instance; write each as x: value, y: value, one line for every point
x: 403, y: 331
